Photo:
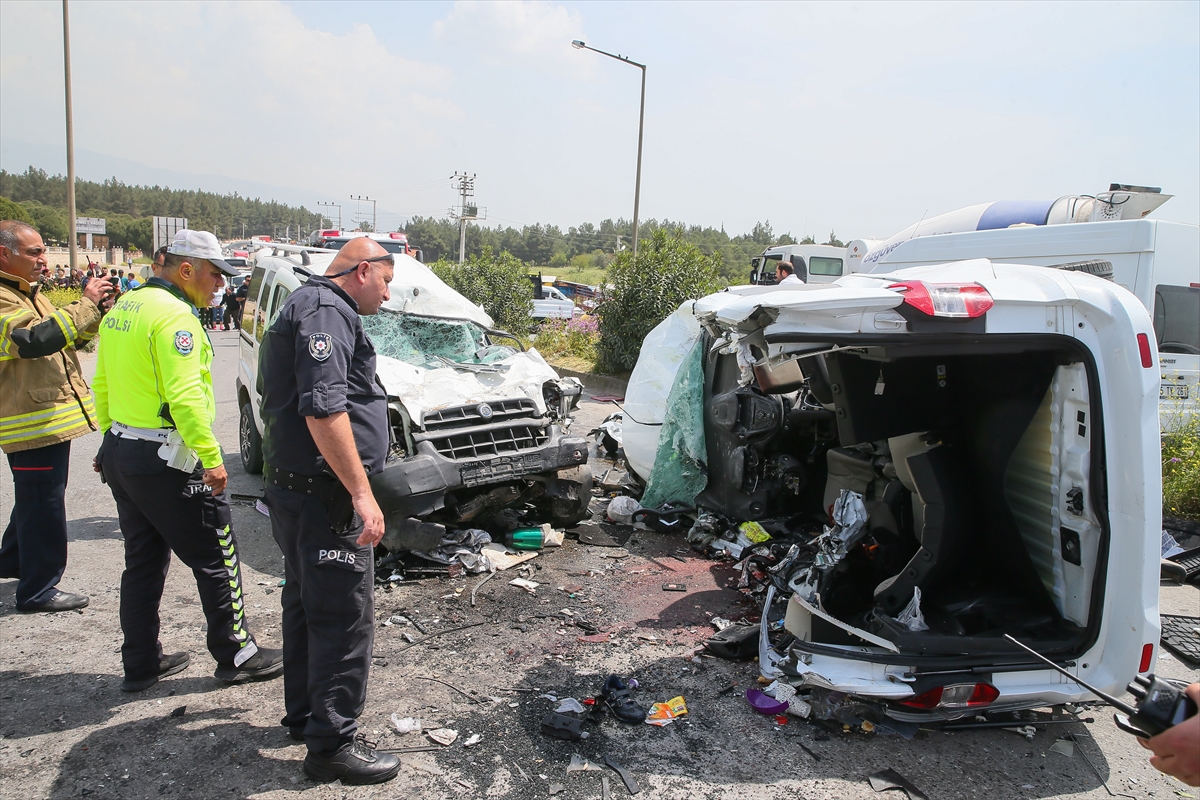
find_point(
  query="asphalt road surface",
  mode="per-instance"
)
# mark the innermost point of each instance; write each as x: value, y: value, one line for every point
x: 66, y: 731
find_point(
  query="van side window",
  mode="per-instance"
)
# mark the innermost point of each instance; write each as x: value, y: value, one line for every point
x: 260, y: 315
x: 281, y: 294
x: 248, y: 313
x: 821, y: 265
x: 1177, y: 319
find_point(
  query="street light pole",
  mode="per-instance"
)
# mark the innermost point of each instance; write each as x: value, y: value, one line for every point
x: 74, y: 249
x: 637, y: 186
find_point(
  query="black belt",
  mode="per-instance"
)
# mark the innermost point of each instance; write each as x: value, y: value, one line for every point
x: 296, y: 482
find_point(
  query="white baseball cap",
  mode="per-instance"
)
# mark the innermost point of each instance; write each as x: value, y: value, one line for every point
x: 200, y: 244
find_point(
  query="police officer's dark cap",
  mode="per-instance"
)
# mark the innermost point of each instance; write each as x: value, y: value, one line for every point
x: 200, y: 244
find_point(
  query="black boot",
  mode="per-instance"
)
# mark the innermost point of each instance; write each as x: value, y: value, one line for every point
x: 167, y: 665
x: 354, y: 762
x: 266, y: 663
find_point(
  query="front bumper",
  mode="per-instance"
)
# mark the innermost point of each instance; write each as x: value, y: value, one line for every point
x: 417, y: 485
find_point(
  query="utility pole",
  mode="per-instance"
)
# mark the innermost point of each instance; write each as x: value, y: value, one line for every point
x: 374, y: 216
x: 468, y: 209
x: 70, y: 136
x: 338, y: 206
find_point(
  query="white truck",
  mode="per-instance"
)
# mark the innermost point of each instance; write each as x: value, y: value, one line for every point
x: 1158, y: 261
x: 812, y: 263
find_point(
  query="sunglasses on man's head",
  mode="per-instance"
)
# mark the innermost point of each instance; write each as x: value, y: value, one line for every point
x: 388, y: 257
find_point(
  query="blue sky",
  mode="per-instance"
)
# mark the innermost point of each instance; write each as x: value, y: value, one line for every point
x: 857, y: 117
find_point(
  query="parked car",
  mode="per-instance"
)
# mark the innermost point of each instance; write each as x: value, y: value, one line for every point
x: 479, y: 423
x: 553, y: 304
x: 957, y: 452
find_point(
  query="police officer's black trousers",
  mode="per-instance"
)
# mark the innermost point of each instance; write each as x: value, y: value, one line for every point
x: 34, y: 547
x: 163, y: 510
x: 328, y: 616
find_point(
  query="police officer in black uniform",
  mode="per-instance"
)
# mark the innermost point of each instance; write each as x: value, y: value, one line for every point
x: 326, y: 430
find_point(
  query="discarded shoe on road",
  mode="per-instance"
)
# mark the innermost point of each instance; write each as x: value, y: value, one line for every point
x: 617, y: 696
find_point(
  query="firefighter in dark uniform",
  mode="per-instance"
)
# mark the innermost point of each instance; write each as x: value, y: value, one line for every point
x: 162, y: 461
x: 326, y: 430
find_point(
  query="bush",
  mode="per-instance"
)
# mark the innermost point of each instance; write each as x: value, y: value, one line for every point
x: 571, y: 338
x: 499, y: 283
x: 1181, y: 471
x: 668, y: 271
x: 61, y: 297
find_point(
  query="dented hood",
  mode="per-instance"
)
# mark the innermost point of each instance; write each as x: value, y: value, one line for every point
x: 420, y: 389
x: 415, y: 289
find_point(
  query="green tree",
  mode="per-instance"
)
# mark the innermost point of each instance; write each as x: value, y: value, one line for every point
x: 11, y: 210
x: 668, y: 271
x: 834, y: 241
x: 52, y: 223
x: 808, y: 240
x: 499, y: 283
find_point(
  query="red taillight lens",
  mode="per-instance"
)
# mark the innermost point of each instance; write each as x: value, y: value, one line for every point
x: 1144, y: 349
x: 1147, y: 654
x: 960, y: 695
x: 964, y: 300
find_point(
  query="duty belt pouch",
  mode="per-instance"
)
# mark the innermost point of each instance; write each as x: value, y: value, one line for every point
x: 177, y: 454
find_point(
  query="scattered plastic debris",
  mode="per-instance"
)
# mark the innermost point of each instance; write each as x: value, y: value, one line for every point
x: 261, y: 508
x: 662, y: 714
x: 406, y: 724
x: 581, y: 764
x: 472, y: 740
x: 765, y: 704
x: 887, y: 779
x: 443, y: 736
x: 911, y: 617
x: 529, y: 586
x: 569, y: 704
x: 622, y: 508
x: 1063, y: 747
x: 560, y: 726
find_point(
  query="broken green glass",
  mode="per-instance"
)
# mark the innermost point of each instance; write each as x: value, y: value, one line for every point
x: 431, y: 342
x: 680, y: 472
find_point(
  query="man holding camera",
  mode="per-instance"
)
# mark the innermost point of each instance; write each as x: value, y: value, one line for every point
x: 163, y: 464
x: 44, y: 404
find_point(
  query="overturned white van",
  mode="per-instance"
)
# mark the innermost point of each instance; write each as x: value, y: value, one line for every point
x: 986, y: 438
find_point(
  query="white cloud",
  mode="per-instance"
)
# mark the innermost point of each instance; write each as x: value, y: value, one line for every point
x: 525, y: 32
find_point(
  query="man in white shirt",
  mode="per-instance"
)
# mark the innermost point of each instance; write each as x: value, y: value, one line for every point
x: 785, y: 274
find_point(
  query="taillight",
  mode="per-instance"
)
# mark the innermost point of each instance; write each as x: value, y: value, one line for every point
x: 1147, y: 654
x: 960, y: 695
x: 1144, y: 349
x: 966, y: 300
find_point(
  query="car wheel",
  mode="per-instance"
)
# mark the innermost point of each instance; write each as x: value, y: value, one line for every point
x: 568, y: 496
x: 250, y: 442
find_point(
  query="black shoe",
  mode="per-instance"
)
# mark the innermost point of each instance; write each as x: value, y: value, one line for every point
x: 59, y: 601
x: 617, y: 696
x: 356, y: 763
x: 167, y: 665
x: 266, y: 663
x: 296, y: 734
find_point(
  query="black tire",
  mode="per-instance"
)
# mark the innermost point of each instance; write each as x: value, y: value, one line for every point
x: 574, y: 493
x: 250, y: 442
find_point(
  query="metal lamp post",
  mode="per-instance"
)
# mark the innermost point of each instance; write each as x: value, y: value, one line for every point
x: 637, y: 186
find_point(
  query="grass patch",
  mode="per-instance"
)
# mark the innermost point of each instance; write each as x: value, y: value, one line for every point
x: 592, y: 276
x: 1181, y: 471
x: 569, y: 343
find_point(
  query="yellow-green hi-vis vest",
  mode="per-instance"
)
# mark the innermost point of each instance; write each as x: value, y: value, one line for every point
x: 154, y: 352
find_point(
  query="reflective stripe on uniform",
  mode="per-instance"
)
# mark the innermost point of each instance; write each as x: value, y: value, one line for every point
x: 23, y: 427
x: 66, y: 324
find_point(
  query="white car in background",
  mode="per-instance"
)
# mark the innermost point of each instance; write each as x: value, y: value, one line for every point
x: 987, y: 436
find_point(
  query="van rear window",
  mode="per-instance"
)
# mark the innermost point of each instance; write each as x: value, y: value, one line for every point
x: 1177, y: 319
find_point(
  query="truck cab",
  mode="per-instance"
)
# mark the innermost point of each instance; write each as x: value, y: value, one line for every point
x: 812, y: 263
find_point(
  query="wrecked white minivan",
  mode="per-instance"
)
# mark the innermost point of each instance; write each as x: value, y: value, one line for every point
x: 478, y: 423
x: 942, y: 455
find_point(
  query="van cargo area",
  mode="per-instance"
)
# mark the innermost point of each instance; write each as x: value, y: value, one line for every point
x: 946, y: 463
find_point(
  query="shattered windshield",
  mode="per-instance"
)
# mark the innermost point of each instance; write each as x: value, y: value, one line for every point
x: 431, y: 342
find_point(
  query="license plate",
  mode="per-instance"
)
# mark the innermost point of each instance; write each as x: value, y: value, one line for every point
x: 1166, y: 391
